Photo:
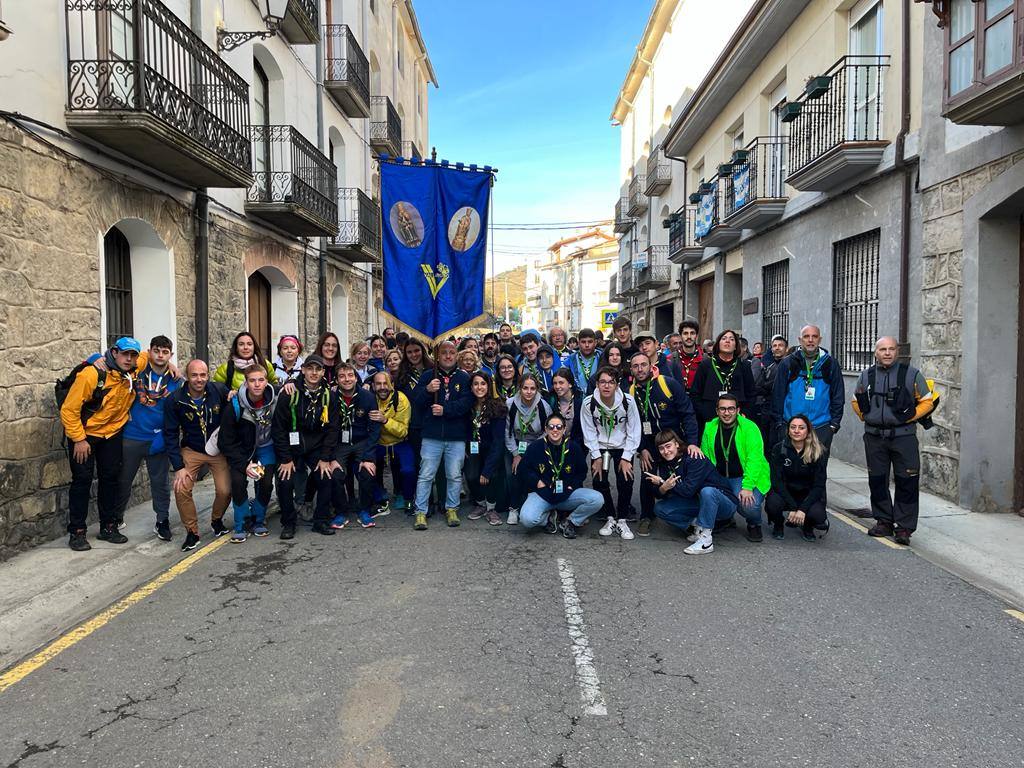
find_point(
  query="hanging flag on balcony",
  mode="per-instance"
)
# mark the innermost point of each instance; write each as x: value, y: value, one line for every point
x: 434, y: 222
x: 705, y: 215
x: 741, y: 186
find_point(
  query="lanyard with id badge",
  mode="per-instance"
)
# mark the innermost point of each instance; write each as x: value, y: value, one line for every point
x: 556, y: 472
x: 809, y: 391
x: 478, y: 420
x: 645, y: 425
x: 346, y: 410
x: 524, y: 423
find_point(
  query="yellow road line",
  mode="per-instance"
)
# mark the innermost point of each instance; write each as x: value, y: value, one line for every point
x: 1015, y: 614
x: 62, y: 643
x: 854, y: 524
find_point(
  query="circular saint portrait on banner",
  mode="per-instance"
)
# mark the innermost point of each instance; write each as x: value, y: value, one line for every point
x: 464, y: 228
x: 406, y: 223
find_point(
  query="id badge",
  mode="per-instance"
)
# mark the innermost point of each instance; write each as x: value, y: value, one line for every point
x: 522, y: 447
x: 647, y: 428
x: 346, y: 436
x: 559, y: 487
x: 809, y: 393
x: 293, y: 438
x: 474, y: 447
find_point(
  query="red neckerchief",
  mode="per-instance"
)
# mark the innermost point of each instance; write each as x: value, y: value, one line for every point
x: 689, y: 363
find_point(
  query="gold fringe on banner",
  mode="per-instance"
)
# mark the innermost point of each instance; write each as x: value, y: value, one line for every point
x: 425, y: 338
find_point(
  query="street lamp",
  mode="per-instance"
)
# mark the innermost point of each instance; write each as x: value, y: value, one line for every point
x: 274, y: 12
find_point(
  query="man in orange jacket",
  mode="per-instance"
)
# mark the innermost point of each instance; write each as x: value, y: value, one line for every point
x: 93, y: 418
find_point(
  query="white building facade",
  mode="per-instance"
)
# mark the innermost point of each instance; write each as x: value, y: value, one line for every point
x: 178, y: 170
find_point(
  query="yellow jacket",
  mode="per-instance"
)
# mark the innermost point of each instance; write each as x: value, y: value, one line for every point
x: 113, y: 411
x: 395, y: 429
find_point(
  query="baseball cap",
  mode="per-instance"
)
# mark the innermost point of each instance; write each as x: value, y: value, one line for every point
x: 644, y: 337
x: 314, y: 360
x: 128, y: 344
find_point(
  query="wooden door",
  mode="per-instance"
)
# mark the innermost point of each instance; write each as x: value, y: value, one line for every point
x: 706, y: 308
x: 259, y: 310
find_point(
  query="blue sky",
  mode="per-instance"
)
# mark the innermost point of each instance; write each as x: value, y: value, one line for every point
x: 528, y: 87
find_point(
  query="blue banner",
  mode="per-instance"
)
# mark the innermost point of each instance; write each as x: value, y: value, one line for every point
x: 434, y: 227
x: 705, y: 215
x: 741, y: 186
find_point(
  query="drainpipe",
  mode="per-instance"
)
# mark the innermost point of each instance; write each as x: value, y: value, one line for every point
x: 682, y: 270
x: 201, y: 223
x: 901, y: 164
x: 321, y: 258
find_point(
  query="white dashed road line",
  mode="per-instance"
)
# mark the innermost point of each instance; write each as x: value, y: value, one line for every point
x: 586, y: 674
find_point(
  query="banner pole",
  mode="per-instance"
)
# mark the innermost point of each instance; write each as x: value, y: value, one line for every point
x: 490, y: 226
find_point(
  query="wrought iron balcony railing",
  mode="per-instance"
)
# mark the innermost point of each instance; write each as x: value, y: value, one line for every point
x: 658, y: 271
x: 613, y: 292
x: 347, y: 71
x: 637, y: 196
x: 840, y: 110
x: 141, y: 82
x: 659, y: 172
x: 358, y: 238
x: 385, y: 126
x: 301, y: 24
x: 682, y: 247
x: 294, y: 184
x: 623, y: 221
x: 754, y: 191
x: 709, y: 228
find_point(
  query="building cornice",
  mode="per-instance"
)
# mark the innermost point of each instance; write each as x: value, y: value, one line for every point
x: 417, y: 34
x: 657, y: 23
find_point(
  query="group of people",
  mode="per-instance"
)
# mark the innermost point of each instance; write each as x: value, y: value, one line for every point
x: 516, y: 425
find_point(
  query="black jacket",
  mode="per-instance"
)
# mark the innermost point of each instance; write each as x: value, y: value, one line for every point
x: 694, y: 475
x: 737, y: 378
x: 800, y: 485
x: 456, y: 398
x: 237, y: 436
x: 183, y: 423
x: 491, y: 436
x: 365, y: 433
x: 536, y: 466
x: 318, y: 431
x: 672, y: 412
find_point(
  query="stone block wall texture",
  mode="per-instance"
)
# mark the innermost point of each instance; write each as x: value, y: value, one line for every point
x: 54, y: 210
x: 940, y: 353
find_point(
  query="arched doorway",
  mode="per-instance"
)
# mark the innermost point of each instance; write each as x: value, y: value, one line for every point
x: 339, y: 316
x: 273, y: 306
x: 259, y: 310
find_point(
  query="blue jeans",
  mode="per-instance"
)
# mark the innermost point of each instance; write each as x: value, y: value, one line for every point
x: 432, y: 452
x: 710, y: 505
x: 581, y: 504
x: 753, y: 512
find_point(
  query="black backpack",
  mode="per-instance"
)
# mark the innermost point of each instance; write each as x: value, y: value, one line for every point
x: 62, y: 386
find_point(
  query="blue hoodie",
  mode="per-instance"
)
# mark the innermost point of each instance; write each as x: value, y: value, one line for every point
x: 146, y: 418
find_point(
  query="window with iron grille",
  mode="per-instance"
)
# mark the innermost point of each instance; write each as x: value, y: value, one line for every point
x: 117, y: 263
x: 775, y: 300
x: 855, y: 300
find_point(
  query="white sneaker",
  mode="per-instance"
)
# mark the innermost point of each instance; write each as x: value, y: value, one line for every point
x: 703, y: 545
x: 609, y: 527
x: 513, y: 517
x: 624, y: 531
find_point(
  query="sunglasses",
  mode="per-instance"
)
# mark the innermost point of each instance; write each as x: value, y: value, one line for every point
x: 556, y: 427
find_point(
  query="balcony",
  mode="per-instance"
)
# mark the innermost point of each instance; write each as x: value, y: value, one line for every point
x: 301, y: 24
x: 409, y: 149
x: 159, y: 95
x: 637, y: 197
x: 755, y: 191
x: 682, y: 248
x: 385, y: 127
x: 358, y: 238
x: 347, y: 72
x: 613, y: 291
x: 294, y: 185
x: 659, y: 172
x: 623, y: 223
x: 627, y: 276
x: 837, y: 133
x: 658, y: 272
x: 709, y: 230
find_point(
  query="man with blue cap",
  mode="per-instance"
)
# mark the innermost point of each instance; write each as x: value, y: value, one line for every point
x: 94, y: 406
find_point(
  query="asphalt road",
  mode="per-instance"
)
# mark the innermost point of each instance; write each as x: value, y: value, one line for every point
x: 450, y: 647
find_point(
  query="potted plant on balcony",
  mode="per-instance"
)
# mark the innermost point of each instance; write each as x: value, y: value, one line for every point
x: 694, y: 198
x: 791, y: 111
x: 818, y: 86
x: 725, y: 169
x: 705, y: 188
x: 740, y: 156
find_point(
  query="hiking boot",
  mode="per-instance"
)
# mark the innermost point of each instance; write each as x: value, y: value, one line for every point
x: 881, y: 528
x: 110, y: 534
x: 903, y: 536
x: 754, y: 534
x: 287, y: 532
x: 493, y: 518
x: 609, y: 527
x: 366, y: 519
x: 513, y: 517
x: 219, y: 529
x: 624, y: 531
x: 420, y: 522
x: 451, y: 516
x: 643, y: 528
x: 162, y: 529
x: 191, y: 541
x: 324, y: 529
x: 78, y: 542
x: 568, y: 530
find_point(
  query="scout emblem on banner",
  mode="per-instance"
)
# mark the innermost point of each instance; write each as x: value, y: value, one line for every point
x: 741, y: 186
x: 705, y: 215
x: 434, y: 245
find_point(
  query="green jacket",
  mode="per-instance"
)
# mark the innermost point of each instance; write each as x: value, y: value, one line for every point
x: 750, y: 449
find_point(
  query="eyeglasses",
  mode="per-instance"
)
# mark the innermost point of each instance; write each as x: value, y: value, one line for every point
x: 608, y: 382
x: 556, y: 427
x: 728, y: 409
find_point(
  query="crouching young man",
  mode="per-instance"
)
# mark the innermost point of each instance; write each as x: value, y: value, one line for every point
x: 690, y: 489
x: 553, y: 470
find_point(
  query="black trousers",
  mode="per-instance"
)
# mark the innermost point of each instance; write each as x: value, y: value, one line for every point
x: 775, y: 508
x: 623, y: 489
x: 901, y: 455
x: 264, y: 486
x: 321, y: 485
x: 104, y: 460
x: 496, y: 490
x: 345, y: 499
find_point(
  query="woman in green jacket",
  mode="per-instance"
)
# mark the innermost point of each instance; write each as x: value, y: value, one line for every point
x: 245, y: 352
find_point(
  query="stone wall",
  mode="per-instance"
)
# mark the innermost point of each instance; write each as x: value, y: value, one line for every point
x: 942, y: 296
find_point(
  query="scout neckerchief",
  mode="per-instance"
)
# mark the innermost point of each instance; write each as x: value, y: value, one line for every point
x: 200, y: 412
x: 524, y: 422
x: 689, y: 363
x: 556, y: 472
x: 445, y: 380
x: 150, y: 391
x: 726, y: 448
x: 725, y: 379
x: 586, y: 366
x: 607, y: 416
x: 508, y: 391
x: 321, y: 394
x: 478, y: 421
x: 532, y: 367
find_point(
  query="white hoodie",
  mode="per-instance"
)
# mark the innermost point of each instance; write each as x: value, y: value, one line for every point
x: 625, y: 422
